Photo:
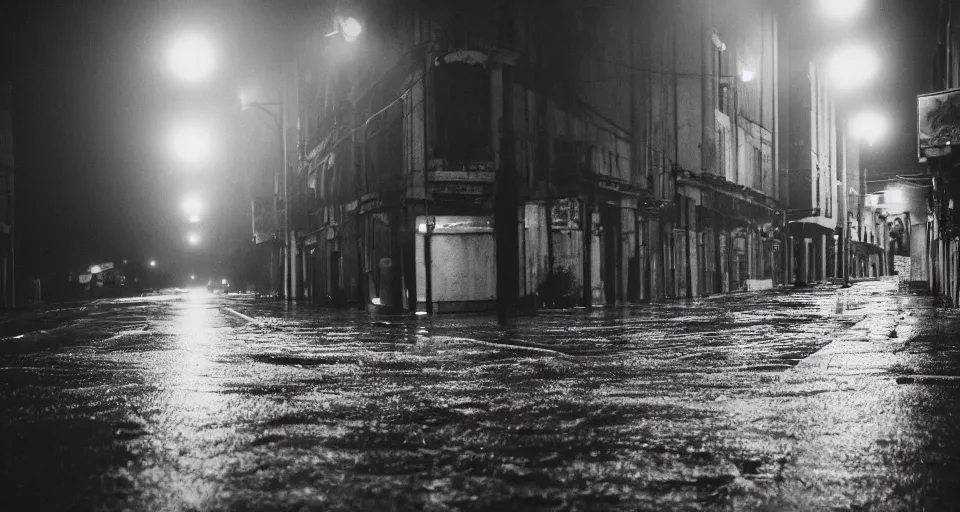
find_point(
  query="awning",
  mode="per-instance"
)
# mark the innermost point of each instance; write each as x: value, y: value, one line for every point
x: 708, y: 181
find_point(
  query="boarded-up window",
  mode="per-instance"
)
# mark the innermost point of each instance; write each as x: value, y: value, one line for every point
x: 463, y: 114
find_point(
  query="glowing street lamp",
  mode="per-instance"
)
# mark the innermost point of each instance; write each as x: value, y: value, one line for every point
x: 193, y: 239
x: 841, y: 9
x: 191, y: 144
x: 193, y: 206
x: 852, y: 67
x: 868, y: 127
x: 350, y: 28
x: 192, y: 58
x: 153, y: 263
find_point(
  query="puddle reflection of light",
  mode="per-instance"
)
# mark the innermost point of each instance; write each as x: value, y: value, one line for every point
x: 190, y: 405
x: 195, y: 323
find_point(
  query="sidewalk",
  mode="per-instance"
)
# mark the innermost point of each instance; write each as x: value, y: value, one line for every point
x: 867, y: 422
x: 45, y: 316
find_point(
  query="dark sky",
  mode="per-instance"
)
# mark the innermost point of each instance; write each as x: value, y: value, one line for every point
x: 905, y: 36
x: 93, y: 104
x: 92, y: 100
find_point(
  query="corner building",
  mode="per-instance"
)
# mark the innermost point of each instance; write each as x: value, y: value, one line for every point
x: 643, y: 143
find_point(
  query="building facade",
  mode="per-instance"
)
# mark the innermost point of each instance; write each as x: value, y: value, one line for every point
x: 400, y: 182
x: 941, y: 230
x: 583, y: 154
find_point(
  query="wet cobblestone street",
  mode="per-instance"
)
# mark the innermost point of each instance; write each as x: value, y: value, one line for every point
x: 816, y: 399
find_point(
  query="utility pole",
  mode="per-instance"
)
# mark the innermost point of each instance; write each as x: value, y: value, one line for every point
x: 507, y: 197
x: 284, y: 177
x: 290, y: 261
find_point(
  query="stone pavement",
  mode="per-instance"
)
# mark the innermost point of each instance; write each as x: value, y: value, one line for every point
x: 789, y: 400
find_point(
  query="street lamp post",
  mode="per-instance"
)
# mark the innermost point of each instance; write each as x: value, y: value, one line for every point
x: 192, y: 58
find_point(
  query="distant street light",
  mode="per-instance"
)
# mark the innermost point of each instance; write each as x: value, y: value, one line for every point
x: 191, y: 144
x: 868, y: 127
x: 193, y: 206
x: 193, y: 278
x: 841, y: 9
x: 853, y: 67
x: 192, y: 58
x: 153, y: 263
x: 194, y: 219
x: 193, y: 239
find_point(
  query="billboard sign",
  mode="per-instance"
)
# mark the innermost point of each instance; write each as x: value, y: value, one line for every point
x: 938, y: 123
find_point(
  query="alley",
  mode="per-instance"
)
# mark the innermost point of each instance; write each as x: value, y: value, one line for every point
x: 815, y: 399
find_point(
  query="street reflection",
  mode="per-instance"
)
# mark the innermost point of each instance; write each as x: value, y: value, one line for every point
x: 177, y: 469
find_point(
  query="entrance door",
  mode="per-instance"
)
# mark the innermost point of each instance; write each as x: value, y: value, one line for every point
x: 336, y: 292
x: 741, y: 261
x: 610, y: 222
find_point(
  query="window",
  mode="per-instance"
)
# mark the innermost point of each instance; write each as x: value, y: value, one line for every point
x: 463, y: 114
x: 841, y: 156
x: 829, y: 206
x: 757, y: 169
x: 749, y: 94
x: 722, y: 89
x: 722, y: 152
x: 819, y: 186
x: 725, y: 165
